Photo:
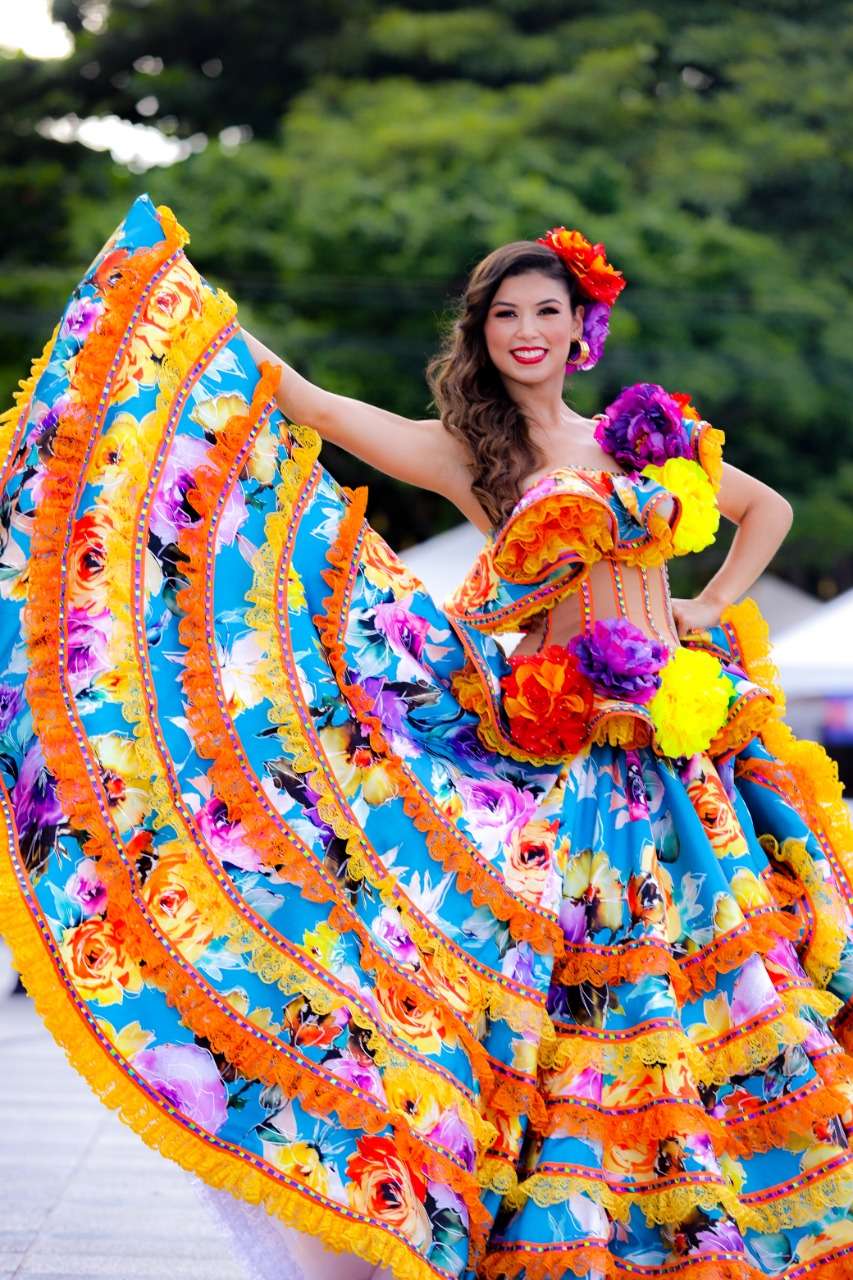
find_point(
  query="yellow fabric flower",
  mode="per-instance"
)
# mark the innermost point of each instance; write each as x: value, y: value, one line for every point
x: 692, y: 703
x: 700, y: 518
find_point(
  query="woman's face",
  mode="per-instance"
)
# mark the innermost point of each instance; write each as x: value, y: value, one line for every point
x: 530, y: 327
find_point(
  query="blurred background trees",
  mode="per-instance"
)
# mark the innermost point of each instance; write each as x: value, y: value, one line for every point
x: 351, y: 159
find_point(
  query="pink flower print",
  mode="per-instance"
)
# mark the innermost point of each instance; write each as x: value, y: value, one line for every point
x: 393, y: 936
x: 364, y: 1076
x: 404, y: 631
x: 86, y: 888
x: 226, y: 839
x: 493, y: 810
x: 88, y: 647
x: 81, y: 318
x: 753, y: 992
x: 171, y: 510
x: 453, y: 1134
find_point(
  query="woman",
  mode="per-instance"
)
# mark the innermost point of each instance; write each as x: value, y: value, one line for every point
x: 454, y: 962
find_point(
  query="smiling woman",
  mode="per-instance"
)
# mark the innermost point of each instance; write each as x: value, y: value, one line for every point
x: 459, y: 964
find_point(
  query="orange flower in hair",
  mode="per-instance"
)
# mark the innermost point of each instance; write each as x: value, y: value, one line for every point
x: 587, y: 263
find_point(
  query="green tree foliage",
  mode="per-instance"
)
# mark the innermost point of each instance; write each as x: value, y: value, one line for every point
x: 394, y: 144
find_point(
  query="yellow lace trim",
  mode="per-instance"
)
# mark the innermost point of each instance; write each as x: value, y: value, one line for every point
x: 794, y: 1208
x: 217, y: 1166
x: 667, y: 1204
x: 22, y: 396
x: 829, y: 936
x: 715, y: 1065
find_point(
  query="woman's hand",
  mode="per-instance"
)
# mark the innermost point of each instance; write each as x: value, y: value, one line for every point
x: 694, y: 615
x: 763, y: 518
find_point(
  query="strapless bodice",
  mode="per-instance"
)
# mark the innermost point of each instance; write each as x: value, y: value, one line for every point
x: 576, y: 517
x: 581, y: 564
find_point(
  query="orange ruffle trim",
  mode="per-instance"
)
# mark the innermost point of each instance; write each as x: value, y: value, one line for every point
x: 208, y: 1159
x: 689, y: 976
x: 213, y: 741
x: 252, y: 1053
x: 445, y: 844
x: 557, y: 1261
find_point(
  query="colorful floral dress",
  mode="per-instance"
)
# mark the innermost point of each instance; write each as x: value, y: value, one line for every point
x: 301, y: 873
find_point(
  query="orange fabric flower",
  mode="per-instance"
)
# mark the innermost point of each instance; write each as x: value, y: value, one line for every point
x: 383, y: 1187
x: 547, y: 702
x: 414, y: 1017
x: 587, y: 263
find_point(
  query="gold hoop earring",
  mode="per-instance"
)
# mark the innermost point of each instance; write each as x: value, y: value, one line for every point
x: 583, y: 352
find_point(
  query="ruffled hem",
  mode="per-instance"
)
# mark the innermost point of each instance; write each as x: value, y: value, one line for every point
x: 209, y: 1158
x: 553, y: 1262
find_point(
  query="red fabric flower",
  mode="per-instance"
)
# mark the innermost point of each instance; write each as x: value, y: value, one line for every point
x: 683, y: 402
x: 547, y: 702
x: 588, y: 263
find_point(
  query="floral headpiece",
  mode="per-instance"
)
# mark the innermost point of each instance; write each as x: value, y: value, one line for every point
x: 598, y: 281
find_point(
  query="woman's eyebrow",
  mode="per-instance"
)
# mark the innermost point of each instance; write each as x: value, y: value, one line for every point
x: 497, y: 302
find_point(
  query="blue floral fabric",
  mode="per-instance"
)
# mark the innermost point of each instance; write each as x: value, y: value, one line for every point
x: 455, y: 1011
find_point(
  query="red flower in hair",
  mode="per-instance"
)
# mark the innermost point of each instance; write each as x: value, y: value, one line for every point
x: 547, y: 702
x: 684, y: 404
x: 587, y: 263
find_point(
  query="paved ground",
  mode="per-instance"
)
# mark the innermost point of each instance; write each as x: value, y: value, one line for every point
x: 80, y: 1195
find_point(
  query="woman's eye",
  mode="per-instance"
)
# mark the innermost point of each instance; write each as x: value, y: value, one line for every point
x: 548, y: 311
x: 504, y: 315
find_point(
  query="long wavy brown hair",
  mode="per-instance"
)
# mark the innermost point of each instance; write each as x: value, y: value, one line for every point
x: 469, y: 392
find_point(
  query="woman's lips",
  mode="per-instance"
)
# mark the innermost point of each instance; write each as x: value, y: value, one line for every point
x: 529, y: 355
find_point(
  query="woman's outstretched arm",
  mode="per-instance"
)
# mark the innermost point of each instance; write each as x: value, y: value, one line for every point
x: 419, y: 452
x: 763, y: 518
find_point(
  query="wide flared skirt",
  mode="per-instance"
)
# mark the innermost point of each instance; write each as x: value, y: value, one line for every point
x: 447, y: 1010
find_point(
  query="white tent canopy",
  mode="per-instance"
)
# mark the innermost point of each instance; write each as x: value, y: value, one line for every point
x: 815, y: 658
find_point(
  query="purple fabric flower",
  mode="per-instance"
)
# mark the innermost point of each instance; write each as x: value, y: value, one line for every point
x: 573, y: 920
x: 403, y: 630
x: 445, y: 1197
x: 388, y: 704
x: 11, y: 701
x: 88, y: 647
x: 34, y: 796
x: 350, y: 1070
x: 722, y: 1236
x: 170, y: 511
x: 188, y: 1078
x: 393, y: 936
x: 493, y: 810
x: 86, y: 888
x: 81, y: 318
x: 453, y: 1134
x: 619, y: 660
x: 643, y: 425
x: 227, y: 839
x: 596, y: 328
